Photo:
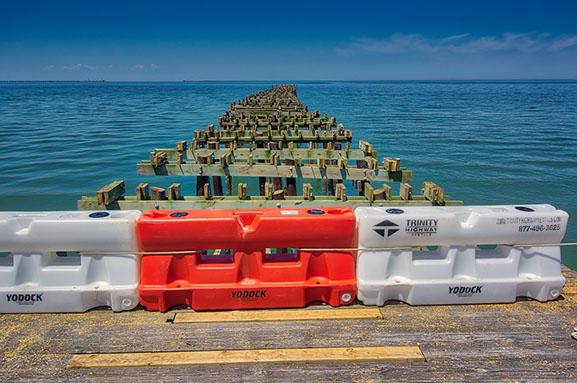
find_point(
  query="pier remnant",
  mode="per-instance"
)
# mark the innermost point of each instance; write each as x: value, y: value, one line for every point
x: 271, y: 137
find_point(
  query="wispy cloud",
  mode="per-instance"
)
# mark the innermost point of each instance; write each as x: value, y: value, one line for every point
x: 79, y: 67
x: 462, y: 43
x: 139, y: 67
x: 565, y: 42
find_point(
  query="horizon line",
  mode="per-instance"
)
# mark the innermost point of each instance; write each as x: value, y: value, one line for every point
x: 289, y: 81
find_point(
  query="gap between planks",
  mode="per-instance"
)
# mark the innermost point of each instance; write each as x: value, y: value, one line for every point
x: 276, y: 315
x: 290, y: 355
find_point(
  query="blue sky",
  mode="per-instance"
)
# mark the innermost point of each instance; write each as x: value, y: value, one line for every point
x: 287, y: 40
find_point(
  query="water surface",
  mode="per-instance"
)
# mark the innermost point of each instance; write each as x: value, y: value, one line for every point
x: 484, y: 142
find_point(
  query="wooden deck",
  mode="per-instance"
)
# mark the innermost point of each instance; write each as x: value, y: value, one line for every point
x: 525, y: 341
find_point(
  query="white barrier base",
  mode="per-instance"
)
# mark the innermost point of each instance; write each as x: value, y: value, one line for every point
x: 459, y: 275
x: 439, y: 293
x: 49, y: 283
x: 30, y: 299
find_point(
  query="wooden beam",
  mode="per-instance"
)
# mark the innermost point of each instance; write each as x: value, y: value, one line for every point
x: 242, y: 191
x: 342, y: 162
x: 158, y: 158
x: 268, y: 189
x: 391, y: 165
x: 181, y: 146
x: 227, y: 357
x: 406, y: 192
x: 365, y: 147
x: 142, y: 192
x: 206, y: 191
x: 433, y: 193
x: 217, y: 185
x: 201, y: 180
x: 204, y: 159
x: 110, y: 193
x: 341, y: 192
x: 276, y: 315
x: 291, y: 186
x: 379, y: 195
x: 271, y: 135
x: 157, y: 194
x: 228, y: 184
x: 276, y: 183
x: 174, y: 192
x: 388, y: 192
x: 368, y: 192
x: 308, y: 192
x: 283, y: 171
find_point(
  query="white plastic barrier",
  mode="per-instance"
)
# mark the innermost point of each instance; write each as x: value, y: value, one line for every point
x: 41, y: 270
x: 457, y: 268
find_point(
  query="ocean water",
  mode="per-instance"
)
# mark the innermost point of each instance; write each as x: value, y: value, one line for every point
x: 484, y: 142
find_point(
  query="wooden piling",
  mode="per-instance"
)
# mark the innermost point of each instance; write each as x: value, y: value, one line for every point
x: 157, y: 194
x: 174, y: 192
x: 271, y: 136
x: 142, y: 192
x: 217, y: 185
x: 200, y: 182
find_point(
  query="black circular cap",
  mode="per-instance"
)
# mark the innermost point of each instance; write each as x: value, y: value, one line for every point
x: 179, y: 214
x: 99, y: 214
x: 395, y: 211
x: 316, y: 211
x: 524, y: 208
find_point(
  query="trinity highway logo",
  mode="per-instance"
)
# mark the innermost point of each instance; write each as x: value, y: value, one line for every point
x: 386, y: 227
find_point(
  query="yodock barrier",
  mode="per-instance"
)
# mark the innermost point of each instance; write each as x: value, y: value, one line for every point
x: 46, y: 265
x: 241, y: 259
x: 476, y: 254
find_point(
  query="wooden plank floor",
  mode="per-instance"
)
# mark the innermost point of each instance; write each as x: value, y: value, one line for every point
x: 525, y: 341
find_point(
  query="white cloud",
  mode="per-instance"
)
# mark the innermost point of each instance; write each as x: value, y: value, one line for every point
x: 462, y: 43
x: 398, y: 42
x: 78, y: 67
x: 139, y: 67
x: 455, y: 37
x: 565, y: 42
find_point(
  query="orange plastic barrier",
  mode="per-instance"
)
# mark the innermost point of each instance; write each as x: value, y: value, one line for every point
x: 246, y: 259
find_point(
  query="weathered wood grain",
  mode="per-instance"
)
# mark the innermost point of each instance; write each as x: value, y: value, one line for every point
x: 110, y: 193
x: 264, y: 154
x: 524, y: 341
x: 277, y: 315
x: 288, y: 355
x: 266, y: 170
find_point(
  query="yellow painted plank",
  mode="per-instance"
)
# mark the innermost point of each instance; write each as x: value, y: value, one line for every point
x: 277, y: 315
x: 291, y: 355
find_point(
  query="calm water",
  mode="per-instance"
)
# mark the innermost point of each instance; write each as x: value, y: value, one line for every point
x: 483, y: 142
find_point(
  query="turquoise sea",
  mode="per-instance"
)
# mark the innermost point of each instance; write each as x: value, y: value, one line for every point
x: 484, y: 142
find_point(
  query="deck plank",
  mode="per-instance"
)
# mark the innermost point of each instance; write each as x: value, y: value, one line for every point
x: 282, y: 355
x: 522, y: 341
x: 276, y: 315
